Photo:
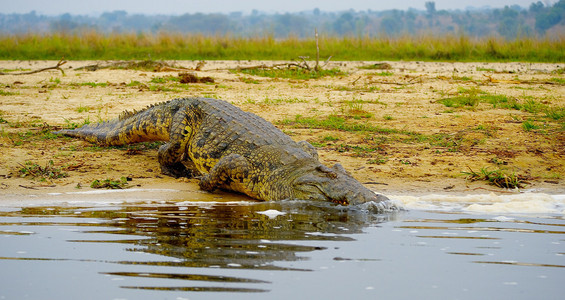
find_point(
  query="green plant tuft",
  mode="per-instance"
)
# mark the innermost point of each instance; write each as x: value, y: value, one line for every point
x: 498, y: 178
x: 291, y: 73
x: 35, y: 171
x: 110, y: 183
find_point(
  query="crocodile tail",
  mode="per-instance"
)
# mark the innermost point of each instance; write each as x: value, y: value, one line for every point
x: 150, y: 124
x: 109, y: 133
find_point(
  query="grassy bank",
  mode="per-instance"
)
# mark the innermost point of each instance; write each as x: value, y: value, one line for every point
x: 94, y: 45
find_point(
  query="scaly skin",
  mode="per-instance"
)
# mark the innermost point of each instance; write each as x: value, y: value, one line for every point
x: 230, y: 149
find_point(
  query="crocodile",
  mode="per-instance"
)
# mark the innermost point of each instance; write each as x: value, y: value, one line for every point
x: 230, y: 149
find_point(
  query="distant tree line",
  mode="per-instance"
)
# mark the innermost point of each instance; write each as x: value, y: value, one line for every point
x: 509, y: 22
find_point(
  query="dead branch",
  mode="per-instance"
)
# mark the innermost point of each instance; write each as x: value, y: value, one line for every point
x: 316, y: 68
x: 146, y: 65
x: 28, y: 187
x: 355, y: 81
x: 56, y: 67
x: 263, y: 66
x: 387, y: 82
x: 493, y: 80
x: 306, y: 66
x: 326, y: 62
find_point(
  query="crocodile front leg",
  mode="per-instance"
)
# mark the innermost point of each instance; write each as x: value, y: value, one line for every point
x: 229, y: 171
x: 170, y: 159
x: 172, y: 155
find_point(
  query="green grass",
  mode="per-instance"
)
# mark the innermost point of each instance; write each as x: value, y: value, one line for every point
x: 529, y: 125
x: 499, y: 178
x: 43, y: 173
x: 533, y: 106
x: 358, y: 150
x: 349, y: 88
x: 485, y: 69
x: 460, y: 101
x: 90, y: 84
x: 165, y: 79
x: 385, y: 73
x: 292, y: 73
x: 39, y: 132
x: 74, y: 125
x: 330, y: 138
x: 470, y: 98
x: 450, y: 143
x: 555, y: 113
x: 135, y: 83
x: 279, y: 101
x: 380, y: 160
x: 2, y: 120
x: 110, y: 183
x: 84, y: 45
x: 502, y: 101
x: 81, y: 109
x: 5, y: 93
x: 334, y: 122
x: 15, y: 70
x: 462, y: 78
x: 356, y: 111
x: 466, y: 97
x: 249, y: 80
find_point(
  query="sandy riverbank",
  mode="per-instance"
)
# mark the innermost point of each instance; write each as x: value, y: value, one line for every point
x: 404, y: 99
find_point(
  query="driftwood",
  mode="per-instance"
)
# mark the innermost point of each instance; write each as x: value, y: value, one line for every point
x: 148, y: 65
x: 274, y: 66
x: 56, y: 67
x: 493, y: 80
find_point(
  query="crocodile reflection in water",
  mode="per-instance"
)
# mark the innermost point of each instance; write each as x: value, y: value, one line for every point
x: 225, y: 235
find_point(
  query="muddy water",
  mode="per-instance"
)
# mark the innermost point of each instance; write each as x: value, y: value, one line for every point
x: 286, y: 250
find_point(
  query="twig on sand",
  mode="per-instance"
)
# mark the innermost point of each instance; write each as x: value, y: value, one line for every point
x: 56, y: 67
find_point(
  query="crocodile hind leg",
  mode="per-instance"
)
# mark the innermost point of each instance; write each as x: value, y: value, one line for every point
x: 230, y: 170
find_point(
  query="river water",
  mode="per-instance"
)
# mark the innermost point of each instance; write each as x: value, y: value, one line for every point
x: 438, y: 247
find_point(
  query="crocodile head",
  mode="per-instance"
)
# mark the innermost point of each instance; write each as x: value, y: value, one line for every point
x: 332, y: 184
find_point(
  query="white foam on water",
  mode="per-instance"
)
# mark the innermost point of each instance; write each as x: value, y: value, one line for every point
x: 112, y: 191
x: 271, y: 213
x: 530, y: 202
x: 534, y: 203
x: 111, y: 196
